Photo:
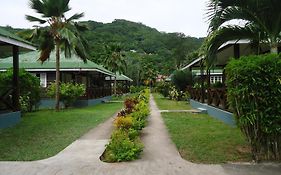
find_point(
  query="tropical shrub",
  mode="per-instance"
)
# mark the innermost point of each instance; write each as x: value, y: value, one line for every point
x: 136, y: 89
x: 163, y: 88
x: 29, y: 88
x: 69, y: 92
x: 130, y: 104
x: 122, y: 148
x: 254, y: 93
x: 181, y: 79
x: 124, y: 123
x: 177, y: 95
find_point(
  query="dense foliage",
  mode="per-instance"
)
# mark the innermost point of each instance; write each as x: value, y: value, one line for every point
x: 254, y: 91
x: 125, y: 144
x: 29, y: 88
x: 181, y: 79
x: 69, y: 92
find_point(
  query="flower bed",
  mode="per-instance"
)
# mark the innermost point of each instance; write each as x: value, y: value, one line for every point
x: 125, y: 144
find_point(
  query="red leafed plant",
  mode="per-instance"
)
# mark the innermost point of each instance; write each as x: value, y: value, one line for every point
x: 122, y: 113
x: 130, y: 104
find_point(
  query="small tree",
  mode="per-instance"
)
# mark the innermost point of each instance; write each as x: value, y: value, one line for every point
x: 181, y: 79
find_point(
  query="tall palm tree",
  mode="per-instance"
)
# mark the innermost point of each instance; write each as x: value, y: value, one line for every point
x: 60, y: 34
x: 261, y: 23
x: 115, y: 61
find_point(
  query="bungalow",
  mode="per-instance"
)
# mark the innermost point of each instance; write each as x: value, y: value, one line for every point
x: 11, y: 44
x: 123, y: 83
x: 214, y: 99
x: 72, y: 70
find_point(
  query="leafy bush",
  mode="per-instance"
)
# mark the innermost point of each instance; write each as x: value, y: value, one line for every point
x: 254, y: 92
x: 163, y: 88
x: 121, y: 148
x: 177, y: 95
x: 124, y: 123
x: 130, y: 104
x: 29, y: 88
x: 69, y: 92
x: 136, y: 89
x: 181, y: 79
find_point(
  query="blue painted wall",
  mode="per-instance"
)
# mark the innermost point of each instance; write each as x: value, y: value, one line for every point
x: 9, y: 119
x: 219, y: 114
x: 50, y: 103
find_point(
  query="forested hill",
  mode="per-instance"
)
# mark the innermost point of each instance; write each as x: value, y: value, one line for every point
x: 170, y: 49
x: 144, y: 46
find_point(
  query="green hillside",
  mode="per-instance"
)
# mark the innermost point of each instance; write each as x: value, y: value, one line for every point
x: 145, y: 47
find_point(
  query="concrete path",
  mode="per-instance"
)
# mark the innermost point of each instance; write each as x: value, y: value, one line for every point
x: 187, y: 111
x: 160, y: 157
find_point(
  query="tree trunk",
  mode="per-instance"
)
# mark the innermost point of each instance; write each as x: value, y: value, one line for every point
x: 115, y: 84
x: 57, y: 76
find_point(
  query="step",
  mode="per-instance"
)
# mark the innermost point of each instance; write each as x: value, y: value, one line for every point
x: 202, y: 110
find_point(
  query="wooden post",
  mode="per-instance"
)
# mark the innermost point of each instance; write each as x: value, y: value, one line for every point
x: 16, y: 91
x: 209, y: 87
x: 202, y: 84
x: 236, y: 51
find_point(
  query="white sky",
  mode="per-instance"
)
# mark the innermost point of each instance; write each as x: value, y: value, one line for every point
x: 187, y: 16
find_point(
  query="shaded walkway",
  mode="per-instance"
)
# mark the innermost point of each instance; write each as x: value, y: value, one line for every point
x: 160, y: 156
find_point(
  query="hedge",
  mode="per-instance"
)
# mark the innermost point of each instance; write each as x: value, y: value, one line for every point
x: 254, y: 93
x: 125, y: 144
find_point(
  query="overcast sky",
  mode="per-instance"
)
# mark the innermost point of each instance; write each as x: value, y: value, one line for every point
x: 187, y: 16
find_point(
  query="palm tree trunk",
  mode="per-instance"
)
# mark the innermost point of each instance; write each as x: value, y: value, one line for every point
x: 115, y: 84
x: 57, y: 76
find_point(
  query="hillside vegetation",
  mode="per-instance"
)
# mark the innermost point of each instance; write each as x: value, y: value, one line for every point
x: 148, y: 52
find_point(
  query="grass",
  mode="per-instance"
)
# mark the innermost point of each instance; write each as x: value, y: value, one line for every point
x: 45, y: 133
x: 201, y: 138
x: 166, y: 104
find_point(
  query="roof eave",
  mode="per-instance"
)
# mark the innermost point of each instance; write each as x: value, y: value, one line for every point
x: 17, y: 43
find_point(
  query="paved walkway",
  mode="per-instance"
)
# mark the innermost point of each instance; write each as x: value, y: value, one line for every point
x: 184, y: 111
x: 160, y: 157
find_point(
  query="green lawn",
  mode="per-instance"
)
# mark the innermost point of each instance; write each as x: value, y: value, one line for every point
x: 166, y: 104
x: 43, y: 134
x: 203, y: 139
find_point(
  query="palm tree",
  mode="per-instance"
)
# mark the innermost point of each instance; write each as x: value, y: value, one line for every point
x: 60, y: 34
x: 261, y: 23
x: 115, y: 61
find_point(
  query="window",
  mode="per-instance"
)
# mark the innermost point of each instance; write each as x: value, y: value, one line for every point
x: 43, y: 80
x: 214, y: 79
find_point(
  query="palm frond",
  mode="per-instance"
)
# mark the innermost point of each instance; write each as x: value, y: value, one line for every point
x: 45, y: 54
x: 55, y: 8
x: 75, y: 17
x: 37, y: 5
x: 35, y: 19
